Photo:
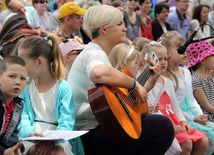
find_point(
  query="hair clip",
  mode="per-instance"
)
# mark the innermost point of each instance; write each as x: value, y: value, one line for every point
x: 46, y: 39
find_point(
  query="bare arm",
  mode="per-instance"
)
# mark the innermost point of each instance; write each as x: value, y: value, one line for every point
x: 202, y: 99
x: 112, y: 77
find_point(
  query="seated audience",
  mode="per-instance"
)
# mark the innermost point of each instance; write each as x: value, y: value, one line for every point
x: 200, y: 17
x: 17, y: 6
x: 159, y: 26
x: 70, y: 16
x: 41, y: 9
x: 70, y: 50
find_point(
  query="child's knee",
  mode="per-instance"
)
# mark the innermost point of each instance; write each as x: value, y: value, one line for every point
x: 187, y: 146
x: 204, y: 143
x: 57, y: 150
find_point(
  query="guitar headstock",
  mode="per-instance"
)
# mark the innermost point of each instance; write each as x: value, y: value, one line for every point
x: 151, y: 56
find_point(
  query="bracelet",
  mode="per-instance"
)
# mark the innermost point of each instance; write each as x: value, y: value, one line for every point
x: 134, y: 85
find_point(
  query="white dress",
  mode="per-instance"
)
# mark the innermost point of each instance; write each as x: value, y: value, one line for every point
x: 45, y: 119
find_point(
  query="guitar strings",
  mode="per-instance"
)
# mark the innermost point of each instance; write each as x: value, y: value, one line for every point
x: 145, y: 75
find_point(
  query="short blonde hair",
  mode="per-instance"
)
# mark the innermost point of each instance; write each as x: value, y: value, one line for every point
x: 99, y: 15
x: 118, y: 54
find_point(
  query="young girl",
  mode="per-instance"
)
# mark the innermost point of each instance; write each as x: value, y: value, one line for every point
x: 48, y: 98
x: 184, y: 133
x: 201, y: 56
x: 126, y: 57
x: 181, y: 78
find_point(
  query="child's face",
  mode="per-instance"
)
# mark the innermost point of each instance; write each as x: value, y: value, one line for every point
x: 13, y: 81
x: 162, y: 57
x: 211, y: 72
x: 132, y: 66
x: 175, y: 57
x: 208, y: 62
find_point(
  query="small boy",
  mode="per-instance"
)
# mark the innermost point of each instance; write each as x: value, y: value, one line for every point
x: 70, y: 50
x: 13, y: 79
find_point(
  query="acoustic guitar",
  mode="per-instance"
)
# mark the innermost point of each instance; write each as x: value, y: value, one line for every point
x: 116, y: 109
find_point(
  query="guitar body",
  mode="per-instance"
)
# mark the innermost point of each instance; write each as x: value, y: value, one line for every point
x: 119, y: 124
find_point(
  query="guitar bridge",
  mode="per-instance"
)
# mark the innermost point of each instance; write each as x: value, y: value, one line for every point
x: 124, y: 107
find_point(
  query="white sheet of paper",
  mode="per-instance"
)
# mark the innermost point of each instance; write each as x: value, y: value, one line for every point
x: 57, y: 135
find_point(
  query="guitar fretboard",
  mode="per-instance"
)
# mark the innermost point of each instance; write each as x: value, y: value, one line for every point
x: 144, y: 76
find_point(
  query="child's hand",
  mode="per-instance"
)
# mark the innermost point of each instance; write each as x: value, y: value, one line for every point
x: 201, y: 119
x: 14, y: 150
x: 155, y: 73
x: 157, y: 107
x: 150, y: 109
x: 36, y: 134
x: 179, y: 128
x: 153, y: 77
x: 44, y: 147
x: 187, y: 127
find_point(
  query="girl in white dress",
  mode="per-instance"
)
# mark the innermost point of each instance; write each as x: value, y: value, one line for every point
x: 48, y: 98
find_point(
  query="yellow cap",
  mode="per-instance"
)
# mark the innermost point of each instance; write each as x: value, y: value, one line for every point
x: 70, y: 8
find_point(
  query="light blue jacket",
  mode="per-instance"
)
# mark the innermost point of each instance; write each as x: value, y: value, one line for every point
x: 64, y: 111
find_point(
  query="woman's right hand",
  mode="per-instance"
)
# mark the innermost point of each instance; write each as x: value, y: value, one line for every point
x: 141, y: 93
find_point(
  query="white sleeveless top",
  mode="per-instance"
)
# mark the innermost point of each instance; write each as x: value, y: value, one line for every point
x: 43, y: 105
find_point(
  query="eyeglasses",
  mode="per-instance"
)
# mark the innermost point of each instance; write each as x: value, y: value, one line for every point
x: 133, y: 0
x: 147, y: 3
x: 184, y: 1
x: 166, y: 11
x: 43, y: 1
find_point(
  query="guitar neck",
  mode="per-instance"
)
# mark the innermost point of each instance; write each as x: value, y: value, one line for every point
x: 144, y: 76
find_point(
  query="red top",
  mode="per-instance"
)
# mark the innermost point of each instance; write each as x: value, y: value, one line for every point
x: 146, y: 32
x: 8, y: 113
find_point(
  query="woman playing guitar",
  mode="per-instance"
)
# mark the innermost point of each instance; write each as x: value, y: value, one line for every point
x: 105, y: 24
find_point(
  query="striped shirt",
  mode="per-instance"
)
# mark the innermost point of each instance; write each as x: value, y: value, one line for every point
x: 208, y: 87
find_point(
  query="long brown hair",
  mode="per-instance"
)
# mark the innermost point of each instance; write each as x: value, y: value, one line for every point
x: 49, y: 49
